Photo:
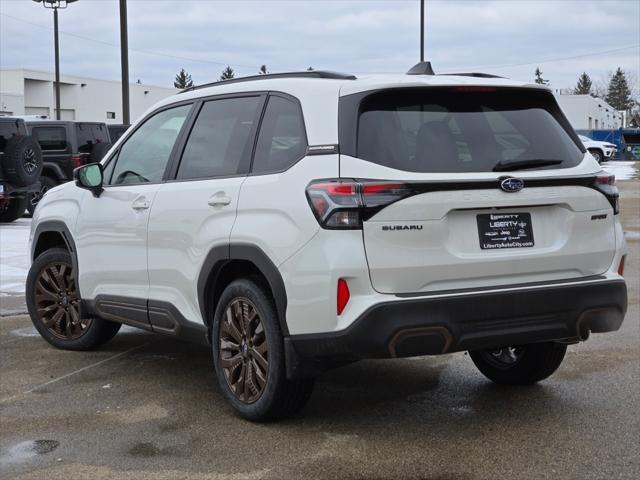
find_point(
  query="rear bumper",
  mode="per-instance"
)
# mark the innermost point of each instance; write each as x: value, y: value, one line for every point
x: 466, y: 321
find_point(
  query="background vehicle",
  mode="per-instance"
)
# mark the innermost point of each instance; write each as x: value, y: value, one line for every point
x: 601, y: 151
x: 66, y: 145
x: 20, y: 168
x: 302, y: 221
x: 116, y: 131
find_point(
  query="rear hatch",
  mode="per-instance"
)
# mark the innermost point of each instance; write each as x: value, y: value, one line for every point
x: 484, y: 187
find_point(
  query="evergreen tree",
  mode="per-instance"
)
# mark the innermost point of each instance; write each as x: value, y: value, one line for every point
x: 584, y: 85
x: 263, y: 70
x: 227, y: 74
x: 539, y: 79
x: 183, y: 80
x: 619, y: 93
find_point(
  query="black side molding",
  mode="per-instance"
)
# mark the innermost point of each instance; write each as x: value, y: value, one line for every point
x: 62, y: 229
x: 218, y: 257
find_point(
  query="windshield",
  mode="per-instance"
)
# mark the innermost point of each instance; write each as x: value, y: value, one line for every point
x: 465, y: 129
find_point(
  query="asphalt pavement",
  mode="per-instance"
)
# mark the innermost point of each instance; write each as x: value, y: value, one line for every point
x: 148, y: 407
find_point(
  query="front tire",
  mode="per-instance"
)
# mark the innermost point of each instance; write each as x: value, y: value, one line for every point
x: 597, y: 154
x: 53, y: 301
x: 248, y: 354
x: 519, y: 365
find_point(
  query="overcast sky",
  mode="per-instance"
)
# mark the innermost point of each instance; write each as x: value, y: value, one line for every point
x: 508, y: 38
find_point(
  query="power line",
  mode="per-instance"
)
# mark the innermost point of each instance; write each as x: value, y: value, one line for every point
x: 146, y: 52
x: 561, y: 59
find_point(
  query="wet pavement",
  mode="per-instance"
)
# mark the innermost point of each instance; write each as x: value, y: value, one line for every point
x: 147, y: 406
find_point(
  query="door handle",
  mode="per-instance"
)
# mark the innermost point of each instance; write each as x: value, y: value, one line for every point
x: 140, y: 203
x: 220, y: 199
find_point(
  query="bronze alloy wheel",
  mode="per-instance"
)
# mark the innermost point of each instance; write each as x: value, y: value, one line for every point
x: 243, y: 350
x: 57, y: 302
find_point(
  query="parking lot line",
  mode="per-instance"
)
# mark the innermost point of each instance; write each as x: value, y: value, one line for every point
x: 80, y: 370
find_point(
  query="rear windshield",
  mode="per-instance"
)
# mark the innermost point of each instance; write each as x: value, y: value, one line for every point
x: 465, y: 129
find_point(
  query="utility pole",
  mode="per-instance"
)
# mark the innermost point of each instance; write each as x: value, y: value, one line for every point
x: 422, y: 30
x: 124, y: 61
x: 55, y: 5
x: 57, y: 56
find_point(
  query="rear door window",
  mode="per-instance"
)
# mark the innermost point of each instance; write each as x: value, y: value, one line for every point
x: 220, y: 141
x: 282, y: 140
x: 51, y: 138
x: 464, y: 130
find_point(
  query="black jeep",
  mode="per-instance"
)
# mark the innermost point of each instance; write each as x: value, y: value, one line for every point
x: 20, y: 168
x: 66, y: 145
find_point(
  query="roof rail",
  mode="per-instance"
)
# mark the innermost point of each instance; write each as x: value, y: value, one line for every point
x: 306, y: 74
x: 472, y: 74
x: 421, y: 68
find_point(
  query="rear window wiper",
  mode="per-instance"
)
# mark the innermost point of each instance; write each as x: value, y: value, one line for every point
x: 524, y: 164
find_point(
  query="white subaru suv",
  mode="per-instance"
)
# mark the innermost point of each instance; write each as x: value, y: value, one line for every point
x: 297, y: 222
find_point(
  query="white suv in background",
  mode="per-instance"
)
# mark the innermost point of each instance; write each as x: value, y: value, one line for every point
x: 601, y: 151
x: 297, y: 222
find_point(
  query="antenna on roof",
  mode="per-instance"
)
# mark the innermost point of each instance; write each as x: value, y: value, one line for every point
x: 422, y: 68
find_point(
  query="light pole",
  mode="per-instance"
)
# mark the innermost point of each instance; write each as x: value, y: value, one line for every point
x: 422, y: 30
x: 55, y: 5
x: 124, y: 61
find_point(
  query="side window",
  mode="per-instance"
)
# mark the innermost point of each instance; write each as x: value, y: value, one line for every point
x: 220, y: 141
x: 282, y: 140
x: 144, y: 156
x: 51, y: 138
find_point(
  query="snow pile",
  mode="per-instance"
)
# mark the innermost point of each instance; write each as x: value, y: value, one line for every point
x: 14, y: 256
x: 622, y: 170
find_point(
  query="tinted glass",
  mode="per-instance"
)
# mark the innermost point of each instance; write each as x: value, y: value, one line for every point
x: 219, y: 143
x: 51, y: 138
x: 282, y: 140
x: 144, y: 156
x: 8, y: 130
x: 463, y: 129
x: 90, y: 134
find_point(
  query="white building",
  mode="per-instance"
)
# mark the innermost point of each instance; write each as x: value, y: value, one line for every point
x: 31, y: 92
x: 588, y: 113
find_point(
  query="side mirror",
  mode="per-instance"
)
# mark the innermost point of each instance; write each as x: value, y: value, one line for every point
x: 90, y: 177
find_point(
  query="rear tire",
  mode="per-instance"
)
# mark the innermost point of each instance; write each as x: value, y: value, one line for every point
x: 12, y: 209
x: 54, y: 305
x: 520, y: 365
x: 248, y: 354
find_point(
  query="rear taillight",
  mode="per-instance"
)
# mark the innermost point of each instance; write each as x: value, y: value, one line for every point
x: 343, y: 295
x: 606, y: 184
x: 345, y: 204
x: 78, y: 160
x: 621, y: 265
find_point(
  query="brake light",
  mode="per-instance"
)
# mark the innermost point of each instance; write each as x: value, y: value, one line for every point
x: 78, y: 160
x: 474, y: 89
x: 606, y: 184
x: 606, y: 179
x: 621, y: 265
x: 345, y: 204
x: 343, y: 295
